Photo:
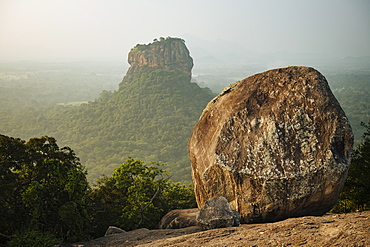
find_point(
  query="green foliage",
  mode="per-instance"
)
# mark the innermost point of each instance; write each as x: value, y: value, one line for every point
x: 356, y: 193
x: 151, y: 117
x: 162, y: 40
x: 33, y: 238
x: 177, y: 196
x: 43, y: 187
x: 45, y: 197
x: 137, y: 195
x: 12, y: 158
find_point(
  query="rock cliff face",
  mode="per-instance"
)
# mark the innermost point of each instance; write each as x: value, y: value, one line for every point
x: 276, y: 145
x: 166, y: 54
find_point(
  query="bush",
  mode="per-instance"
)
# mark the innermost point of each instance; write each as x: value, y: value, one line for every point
x: 137, y: 195
x: 33, y: 238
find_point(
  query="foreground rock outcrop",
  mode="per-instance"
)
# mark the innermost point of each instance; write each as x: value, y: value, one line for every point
x: 275, y: 145
x: 328, y: 230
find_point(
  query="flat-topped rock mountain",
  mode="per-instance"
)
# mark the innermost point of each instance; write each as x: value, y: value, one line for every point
x: 149, y: 118
x: 170, y: 54
x: 276, y: 145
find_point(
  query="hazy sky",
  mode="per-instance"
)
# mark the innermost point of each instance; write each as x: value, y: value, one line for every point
x: 94, y: 29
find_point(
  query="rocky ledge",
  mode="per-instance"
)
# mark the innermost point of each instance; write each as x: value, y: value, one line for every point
x: 329, y: 230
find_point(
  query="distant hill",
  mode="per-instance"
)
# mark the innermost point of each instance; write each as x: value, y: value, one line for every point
x: 150, y: 116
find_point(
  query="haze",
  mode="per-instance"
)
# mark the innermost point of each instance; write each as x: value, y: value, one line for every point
x: 69, y: 30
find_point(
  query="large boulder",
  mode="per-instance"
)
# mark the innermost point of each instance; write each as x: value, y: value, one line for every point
x: 179, y: 218
x: 275, y: 145
x: 217, y: 213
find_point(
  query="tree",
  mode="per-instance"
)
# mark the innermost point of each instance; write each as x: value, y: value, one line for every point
x: 12, y: 158
x: 56, y: 188
x: 356, y: 193
x: 45, y: 197
x: 178, y: 196
x: 137, y: 195
x: 48, y: 186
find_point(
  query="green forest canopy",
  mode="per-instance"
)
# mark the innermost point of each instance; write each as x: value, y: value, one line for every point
x: 149, y: 119
x: 45, y: 198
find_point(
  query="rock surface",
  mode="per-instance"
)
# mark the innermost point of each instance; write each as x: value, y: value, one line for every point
x: 328, y: 230
x: 114, y: 230
x: 179, y: 218
x: 166, y: 54
x: 217, y: 213
x: 275, y: 145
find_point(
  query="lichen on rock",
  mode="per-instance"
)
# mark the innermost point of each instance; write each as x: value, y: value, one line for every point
x: 217, y: 213
x: 276, y: 145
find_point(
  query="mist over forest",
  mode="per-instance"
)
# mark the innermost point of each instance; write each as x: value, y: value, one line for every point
x: 29, y: 90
